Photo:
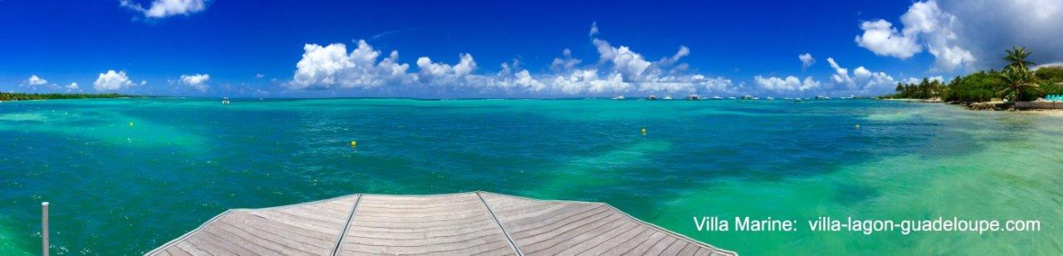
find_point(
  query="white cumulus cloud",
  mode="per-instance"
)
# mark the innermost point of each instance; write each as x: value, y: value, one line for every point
x: 620, y: 69
x: 589, y: 81
x: 841, y: 75
x: 806, y: 60
x: 881, y: 38
x: 111, y: 81
x: 958, y: 33
x: 35, y: 80
x: 566, y: 62
x: 331, y: 66
x: 197, y: 81
x: 624, y: 60
x: 72, y: 86
x: 465, y: 66
x: 790, y: 83
x: 862, y: 81
x: 166, y: 8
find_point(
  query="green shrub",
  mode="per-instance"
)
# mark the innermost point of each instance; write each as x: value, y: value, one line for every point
x: 1052, y: 73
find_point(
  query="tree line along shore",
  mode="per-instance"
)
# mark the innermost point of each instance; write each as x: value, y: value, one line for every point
x: 10, y: 96
x: 990, y: 89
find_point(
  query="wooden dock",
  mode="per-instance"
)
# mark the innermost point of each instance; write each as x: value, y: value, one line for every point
x: 474, y: 223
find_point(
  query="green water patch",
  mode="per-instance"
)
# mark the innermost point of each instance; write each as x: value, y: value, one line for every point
x: 1006, y: 181
x: 894, y: 115
x: 10, y: 242
x: 22, y: 117
x: 584, y: 175
x: 94, y: 126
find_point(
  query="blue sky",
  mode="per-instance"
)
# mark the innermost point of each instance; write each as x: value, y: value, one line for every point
x: 293, y: 48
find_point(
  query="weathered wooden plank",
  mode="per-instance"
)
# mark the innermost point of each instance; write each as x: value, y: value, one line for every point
x: 410, y: 238
x: 551, y: 218
x: 191, y: 249
x: 675, y: 247
x: 419, y: 230
x: 452, y: 241
x: 420, y: 201
x: 546, y: 217
x: 444, y: 224
x: 690, y: 249
x: 551, y: 222
x: 455, y: 248
x: 454, y: 224
x: 414, y: 234
x: 571, y: 234
x: 413, y: 217
x: 643, y: 247
x: 536, y: 235
x: 618, y: 246
x: 308, y: 223
x: 661, y: 245
x: 325, y: 209
x: 175, y: 251
x: 417, y: 213
x: 464, y: 226
x: 291, y: 235
x: 215, y: 233
x: 431, y: 204
x: 262, y: 235
x: 597, y: 238
x: 702, y: 251
x: 399, y: 251
x: 212, y: 246
x: 253, y: 241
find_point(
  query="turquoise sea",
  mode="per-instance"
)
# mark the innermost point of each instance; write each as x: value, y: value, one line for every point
x: 124, y: 176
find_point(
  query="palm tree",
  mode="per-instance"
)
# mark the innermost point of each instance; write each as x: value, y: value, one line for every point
x: 1017, y: 80
x: 1017, y: 57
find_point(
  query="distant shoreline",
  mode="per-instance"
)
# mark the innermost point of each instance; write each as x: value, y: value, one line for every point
x: 5, y: 96
x: 989, y: 106
x: 917, y: 100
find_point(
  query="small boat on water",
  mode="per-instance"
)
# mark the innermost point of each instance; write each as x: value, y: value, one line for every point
x: 693, y: 97
x: 717, y: 97
x: 621, y: 97
x: 651, y: 97
x: 667, y: 97
x: 225, y: 101
x: 771, y: 98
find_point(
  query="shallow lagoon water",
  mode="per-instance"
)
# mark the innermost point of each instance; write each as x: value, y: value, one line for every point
x: 119, y: 189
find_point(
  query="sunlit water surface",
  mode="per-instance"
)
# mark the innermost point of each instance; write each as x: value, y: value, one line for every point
x: 127, y: 175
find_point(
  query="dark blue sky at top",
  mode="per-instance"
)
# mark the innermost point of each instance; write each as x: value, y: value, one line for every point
x: 67, y: 41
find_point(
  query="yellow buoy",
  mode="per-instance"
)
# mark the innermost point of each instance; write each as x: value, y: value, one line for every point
x: 643, y: 131
x: 354, y: 143
x: 130, y: 124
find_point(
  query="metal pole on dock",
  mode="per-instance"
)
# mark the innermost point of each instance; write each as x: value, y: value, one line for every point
x: 44, y: 227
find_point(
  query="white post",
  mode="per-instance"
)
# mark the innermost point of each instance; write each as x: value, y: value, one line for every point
x: 44, y: 227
